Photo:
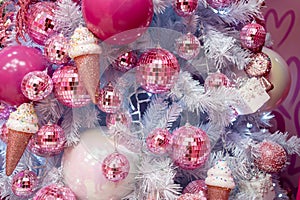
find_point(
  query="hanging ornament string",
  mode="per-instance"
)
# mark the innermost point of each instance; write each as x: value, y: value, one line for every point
x: 21, y: 19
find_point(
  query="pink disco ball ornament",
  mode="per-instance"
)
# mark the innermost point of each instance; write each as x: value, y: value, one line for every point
x: 55, y: 192
x: 4, y: 133
x: 185, y: 7
x: 68, y: 89
x: 119, y: 117
x: 24, y: 183
x: 56, y: 49
x: 253, y: 37
x: 125, y: 62
x: 189, y: 196
x: 40, y: 22
x: 269, y: 157
x: 157, y: 70
x: 5, y: 111
x: 188, y: 46
x: 259, y: 65
x: 195, y: 187
x: 216, y: 80
x: 115, y: 167
x: 48, y: 141
x: 118, y: 21
x: 109, y: 99
x: 220, y: 4
x: 190, y: 147
x: 36, y: 85
x: 159, y: 141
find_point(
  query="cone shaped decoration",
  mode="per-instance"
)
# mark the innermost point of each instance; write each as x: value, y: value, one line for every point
x: 86, y: 53
x: 21, y: 124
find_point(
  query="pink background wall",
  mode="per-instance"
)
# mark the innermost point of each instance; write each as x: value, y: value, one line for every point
x: 283, y: 22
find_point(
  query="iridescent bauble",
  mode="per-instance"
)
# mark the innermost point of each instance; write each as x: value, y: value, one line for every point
x: 185, y: 7
x: 216, y: 80
x: 197, y: 186
x: 190, y: 147
x: 56, y: 49
x: 157, y: 70
x: 269, y: 157
x: 55, y: 192
x: 4, y: 133
x: 41, y: 22
x: 188, y: 196
x: 259, y: 65
x: 125, y: 62
x: 36, y: 85
x: 119, y: 117
x: 188, y: 46
x: 24, y: 183
x: 109, y: 99
x: 68, y: 89
x: 115, y: 167
x: 253, y: 37
x: 159, y: 141
x: 5, y: 111
x: 48, y: 141
x: 220, y: 4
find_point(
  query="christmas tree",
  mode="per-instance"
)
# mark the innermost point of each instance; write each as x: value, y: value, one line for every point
x: 140, y: 99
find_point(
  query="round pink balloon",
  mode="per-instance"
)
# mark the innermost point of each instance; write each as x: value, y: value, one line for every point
x: 15, y: 63
x: 117, y: 21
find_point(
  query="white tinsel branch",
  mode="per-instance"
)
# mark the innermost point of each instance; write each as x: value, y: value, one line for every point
x: 71, y: 124
x: 161, y: 5
x: 191, y: 23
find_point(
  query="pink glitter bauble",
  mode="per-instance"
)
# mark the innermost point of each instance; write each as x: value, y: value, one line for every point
x: 253, y: 37
x: 5, y: 110
x: 68, y: 89
x: 269, y: 157
x: 40, y: 23
x: 115, y: 167
x: 188, y: 46
x: 185, y: 7
x: 119, y: 117
x: 48, y: 141
x: 109, y: 99
x: 259, y: 65
x: 220, y: 4
x: 56, y: 49
x: 189, y: 196
x: 36, y: 85
x: 54, y: 192
x: 24, y: 183
x: 197, y: 186
x: 125, y: 61
x: 216, y: 80
x: 4, y: 133
x: 190, y: 147
x: 159, y: 141
x: 157, y: 70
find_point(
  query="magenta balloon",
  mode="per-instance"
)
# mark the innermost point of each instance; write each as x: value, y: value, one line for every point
x: 15, y: 63
x: 108, y: 19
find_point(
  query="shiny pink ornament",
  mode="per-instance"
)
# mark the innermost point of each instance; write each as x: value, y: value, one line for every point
x: 119, y: 117
x: 118, y: 21
x: 185, y: 7
x: 189, y: 196
x: 48, y: 141
x: 159, y: 141
x: 157, y: 70
x: 5, y: 111
x: 109, y: 99
x: 197, y: 186
x: 190, y: 147
x: 54, y: 192
x: 269, y: 157
x: 68, y: 89
x: 56, y: 49
x: 36, y: 85
x: 4, y: 133
x: 216, y: 80
x: 253, y: 37
x: 188, y: 46
x: 220, y: 4
x: 40, y: 22
x: 15, y: 63
x: 24, y: 183
x: 259, y: 65
x: 125, y: 62
x: 115, y: 167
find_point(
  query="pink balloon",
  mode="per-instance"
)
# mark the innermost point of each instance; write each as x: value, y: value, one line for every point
x: 108, y: 18
x: 15, y: 63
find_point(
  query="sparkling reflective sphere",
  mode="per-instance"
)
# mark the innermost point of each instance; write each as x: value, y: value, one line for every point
x: 159, y: 141
x: 188, y: 46
x: 185, y: 7
x: 253, y: 37
x: 56, y: 49
x: 24, y: 183
x: 259, y: 65
x: 109, y: 99
x: 55, y: 192
x: 216, y: 80
x: 125, y: 61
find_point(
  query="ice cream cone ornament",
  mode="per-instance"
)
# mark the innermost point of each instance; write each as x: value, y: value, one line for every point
x: 21, y: 124
x: 85, y: 51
